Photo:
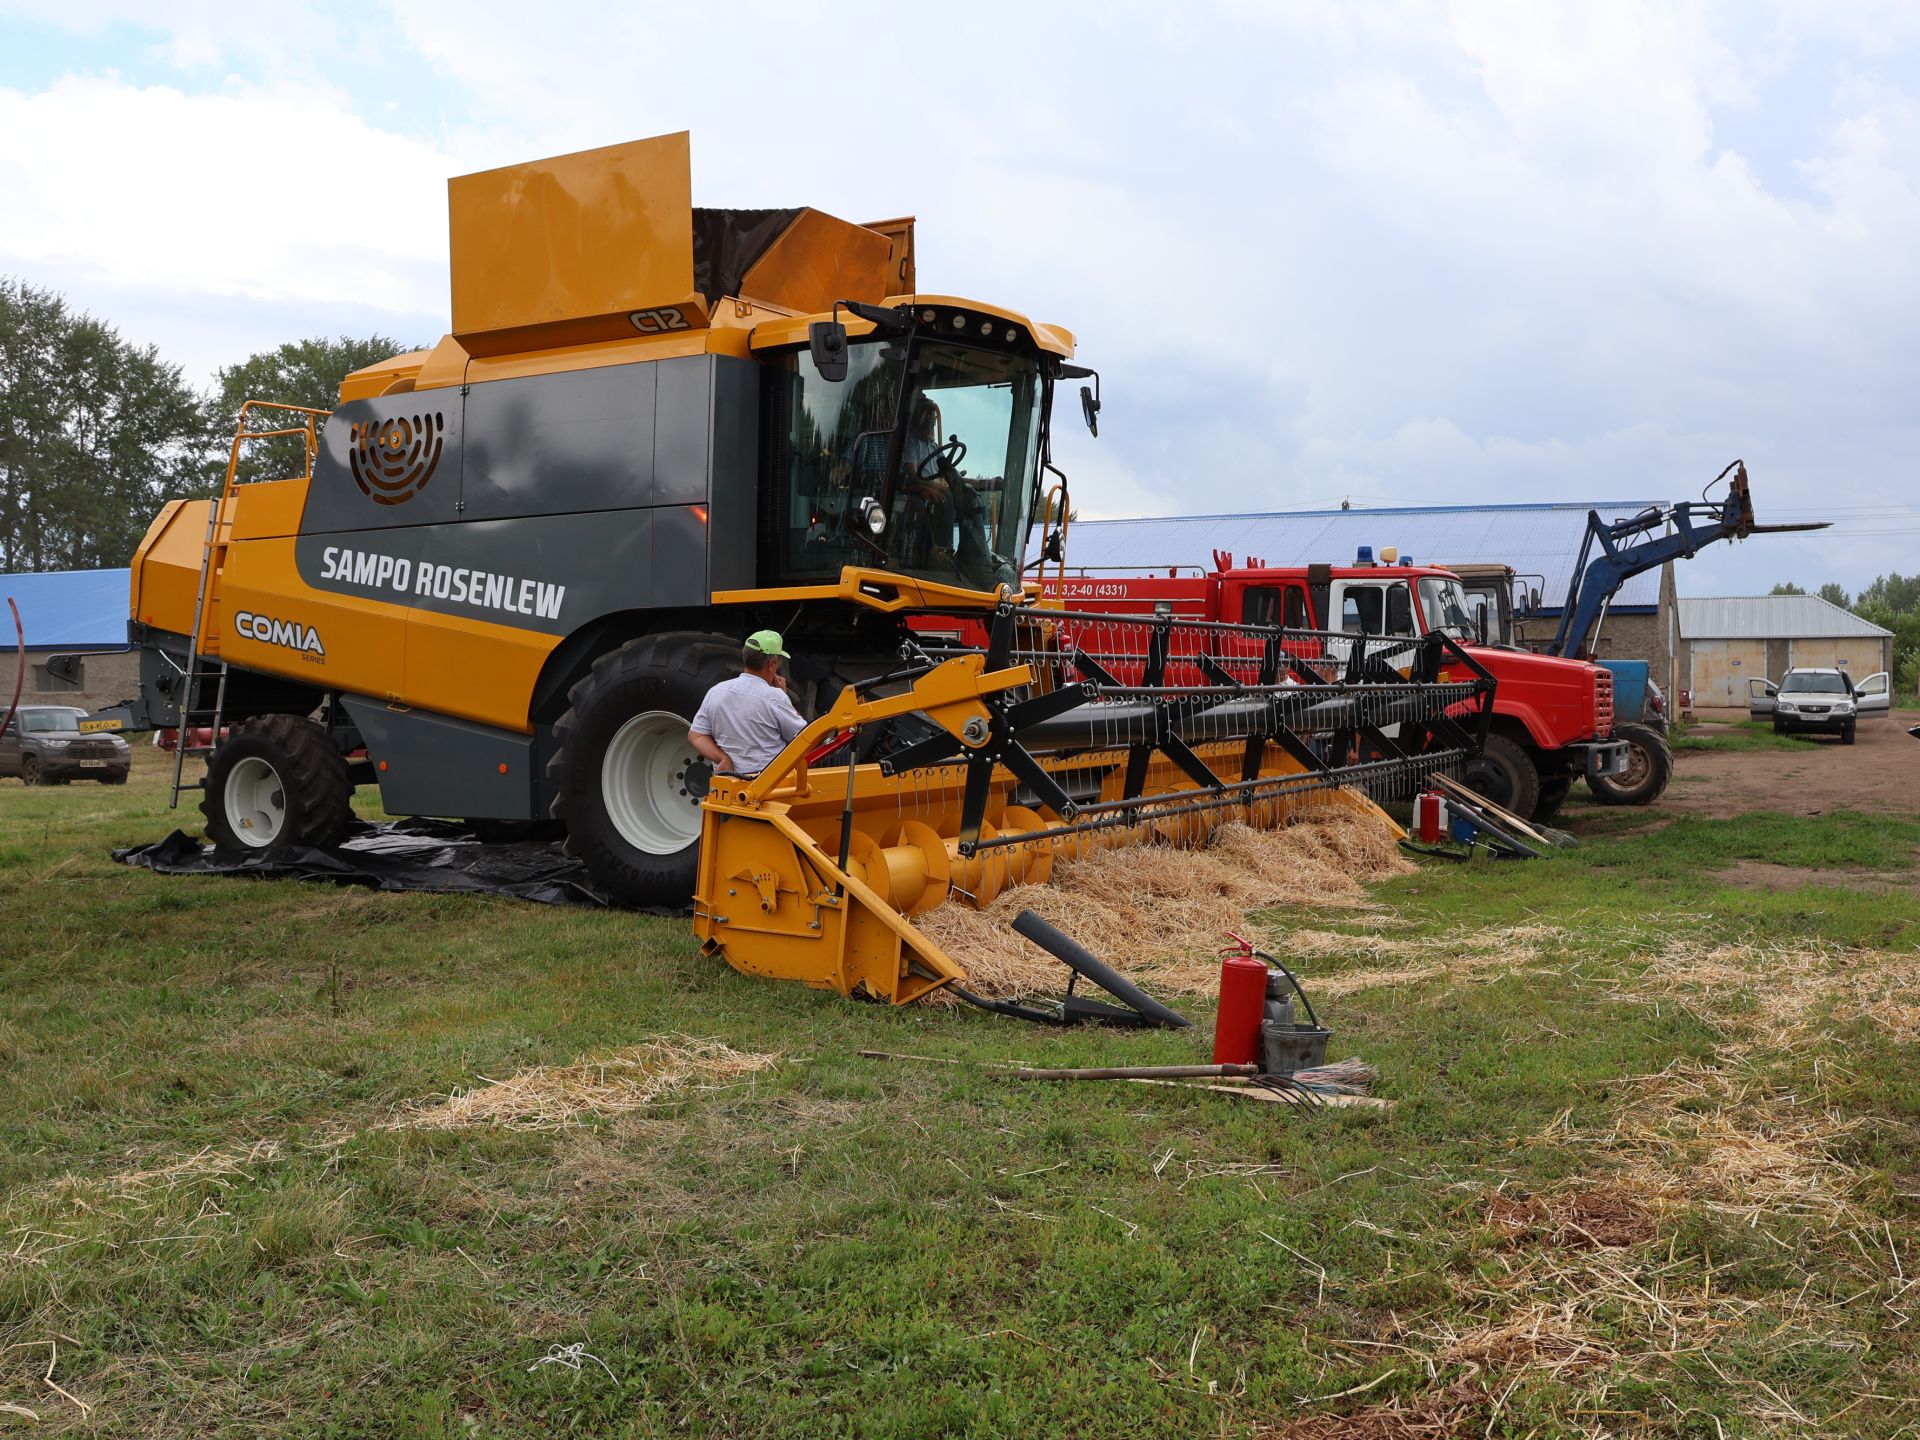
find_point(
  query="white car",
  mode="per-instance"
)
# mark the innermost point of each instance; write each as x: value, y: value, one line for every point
x: 1828, y: 702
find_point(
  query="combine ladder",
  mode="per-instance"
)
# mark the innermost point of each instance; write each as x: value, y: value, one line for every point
x: 205, y: 668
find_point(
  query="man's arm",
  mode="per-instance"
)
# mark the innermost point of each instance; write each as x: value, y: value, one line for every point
x: 700, y: 736
x: 707, y: 748
x: 785, y: 715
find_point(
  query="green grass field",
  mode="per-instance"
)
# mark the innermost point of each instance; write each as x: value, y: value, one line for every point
x: 1651, y: 1169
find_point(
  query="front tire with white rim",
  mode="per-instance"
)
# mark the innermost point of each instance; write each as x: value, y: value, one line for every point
x: 628, y: 782
x: 277, y: 783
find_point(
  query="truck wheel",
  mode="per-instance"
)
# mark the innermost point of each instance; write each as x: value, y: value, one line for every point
x: 629, y: 783
x: 1846, y: 735
x: 1649, y: 768
x: 1505, y: 773
x: 276, y: 783
x: 30, y: 771
x: 1553, y: 794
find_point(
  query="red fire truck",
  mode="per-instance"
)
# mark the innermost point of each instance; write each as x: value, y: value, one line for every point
x: 1552, y: 720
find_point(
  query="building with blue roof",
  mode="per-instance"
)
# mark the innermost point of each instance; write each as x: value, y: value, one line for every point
x: 82, y: 613
x: 1540, y: 541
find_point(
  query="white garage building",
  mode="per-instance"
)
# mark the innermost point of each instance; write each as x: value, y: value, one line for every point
x: 1726, y: 641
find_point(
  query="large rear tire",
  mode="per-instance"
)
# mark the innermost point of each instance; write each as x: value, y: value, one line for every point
x: 629, y: 783
x: 1505, y: 773
x: 277, y: 783
x: 1649, y: 769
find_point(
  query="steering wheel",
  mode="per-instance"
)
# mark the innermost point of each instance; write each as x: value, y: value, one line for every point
x: 944, y: 460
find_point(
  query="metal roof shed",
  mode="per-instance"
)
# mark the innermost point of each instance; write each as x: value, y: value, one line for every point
x: 1728, y: 641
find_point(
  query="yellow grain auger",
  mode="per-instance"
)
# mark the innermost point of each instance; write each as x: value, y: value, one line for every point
x: 1066, y: 732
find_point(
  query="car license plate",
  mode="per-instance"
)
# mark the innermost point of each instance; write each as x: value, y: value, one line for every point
x: 93, y: 764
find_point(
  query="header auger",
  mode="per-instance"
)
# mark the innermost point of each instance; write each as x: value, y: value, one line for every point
x: 1069, y: 732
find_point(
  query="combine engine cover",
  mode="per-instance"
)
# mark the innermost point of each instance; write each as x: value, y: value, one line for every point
x: 1070, y: 732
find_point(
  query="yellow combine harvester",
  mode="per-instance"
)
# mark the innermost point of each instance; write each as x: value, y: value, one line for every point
x: 514, y: 564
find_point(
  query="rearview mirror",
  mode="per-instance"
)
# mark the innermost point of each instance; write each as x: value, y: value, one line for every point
x: 827, y: 339
x: 1480, y: 620
x: 64, y: 668
x: 1090, y: 407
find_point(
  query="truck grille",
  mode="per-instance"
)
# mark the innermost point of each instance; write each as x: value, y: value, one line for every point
x: 91, y: 750
x: 1603, y: 704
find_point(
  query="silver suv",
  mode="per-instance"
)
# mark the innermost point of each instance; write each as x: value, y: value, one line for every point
x: 1820, y: 702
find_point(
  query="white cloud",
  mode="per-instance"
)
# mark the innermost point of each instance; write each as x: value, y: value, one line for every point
x: 149, y: 198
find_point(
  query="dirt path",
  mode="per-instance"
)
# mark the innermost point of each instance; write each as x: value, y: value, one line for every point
x: 1878, y: 773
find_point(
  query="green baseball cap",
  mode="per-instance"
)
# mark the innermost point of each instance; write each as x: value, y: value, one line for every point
x: 768, y: 642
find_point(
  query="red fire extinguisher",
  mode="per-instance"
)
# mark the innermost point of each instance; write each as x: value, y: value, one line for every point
x: 1243, y: 998
x: 1429, y: 817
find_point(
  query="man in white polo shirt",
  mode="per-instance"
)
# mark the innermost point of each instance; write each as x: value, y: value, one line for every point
x: 746, y: 721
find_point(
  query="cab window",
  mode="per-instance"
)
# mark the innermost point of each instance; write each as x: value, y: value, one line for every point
x: 1260, y: 605
x: 1360, y: 612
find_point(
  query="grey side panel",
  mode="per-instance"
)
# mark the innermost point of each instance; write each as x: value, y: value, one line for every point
x: 679, y: 556
x: 561, y: 444
x: 361, y: 482
x: 733, y: 495
x: 550, y: 573
x: 683, y: 430
x: 437, y: 765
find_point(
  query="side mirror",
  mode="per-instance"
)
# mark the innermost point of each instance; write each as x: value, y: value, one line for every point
x: 827, y: 339
x: 1054, y: 547
x: 1480, y: 621
x: 65, y: 668
x: 1090, y: 407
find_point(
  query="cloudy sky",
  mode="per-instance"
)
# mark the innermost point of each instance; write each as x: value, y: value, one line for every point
x: 1395, y: 252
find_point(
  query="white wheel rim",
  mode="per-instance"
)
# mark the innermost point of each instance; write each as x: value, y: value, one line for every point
x: 256, y: 803
x: 643, y: 782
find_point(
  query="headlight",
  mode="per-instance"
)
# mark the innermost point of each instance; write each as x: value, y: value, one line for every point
x: 874, y: 516
x: 118, y: 743
x: 56, y: 744
x: 1844, y: 707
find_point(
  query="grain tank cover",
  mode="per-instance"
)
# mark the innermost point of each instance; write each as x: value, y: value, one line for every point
x: 605, y: 244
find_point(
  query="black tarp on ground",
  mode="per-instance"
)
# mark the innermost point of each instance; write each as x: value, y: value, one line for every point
x: 426, y: 855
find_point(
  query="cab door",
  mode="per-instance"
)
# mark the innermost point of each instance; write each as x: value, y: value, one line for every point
x: 1370, y: 607
x: 1873, y: 697
x: 1761, y: 697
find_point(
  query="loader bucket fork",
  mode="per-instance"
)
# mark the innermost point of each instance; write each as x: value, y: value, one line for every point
x: 1067, y: 733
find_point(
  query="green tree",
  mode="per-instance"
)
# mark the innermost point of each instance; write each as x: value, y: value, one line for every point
x: 1786, y: 587
x: 301, y: 372
x: 1895, y: 594
x: 1834, y: 595
x: 94, y: 433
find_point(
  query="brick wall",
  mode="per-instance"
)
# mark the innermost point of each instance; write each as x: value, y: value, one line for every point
x: 1623, y: 637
